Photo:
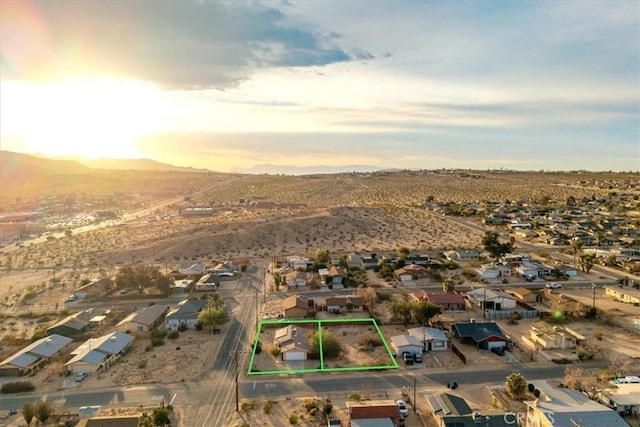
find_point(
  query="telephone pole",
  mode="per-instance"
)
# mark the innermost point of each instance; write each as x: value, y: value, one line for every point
x: 237, y: 370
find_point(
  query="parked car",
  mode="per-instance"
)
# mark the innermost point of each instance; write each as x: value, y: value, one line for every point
x: 417, y: 358
x: 81, y: 376
x: 72, y: 298
x: 554, y: 286
x: 408, y: 359
x: 404, y: 412
x: 498, y: 350
x: 334, y: 422
x: 12, y: 411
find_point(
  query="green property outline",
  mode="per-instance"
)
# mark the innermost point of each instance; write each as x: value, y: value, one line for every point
x: 319, y: 323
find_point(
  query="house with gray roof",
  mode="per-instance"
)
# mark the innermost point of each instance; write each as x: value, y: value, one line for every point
x: 35, y: 355
x: 486, y: 335
x: 74, y: 324
x: 97, y: 354
x: 451, y: 410
x: 144, y: 320
x: 566, y: 407
x: 185, y: 313
x: 433, y: 339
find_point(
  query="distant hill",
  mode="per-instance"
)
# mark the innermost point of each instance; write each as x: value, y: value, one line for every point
x: 17, y: 167
x: 271, y: 169
x: 131, y: 164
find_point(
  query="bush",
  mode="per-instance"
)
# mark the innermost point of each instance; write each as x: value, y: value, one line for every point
x: 247, y: 406
x: 183, y: 327
x: 157, y: 342
x: 310, y: 404
x: 598, y: 335
x: 199, y: 326
x: 327, y: 408
x: 148, y: 348
x: 17, y: 387
x: 268, y: 406
x: 142, y: 364
x: 293, y: 419
x: 173, y: 335
x: 354, y: 397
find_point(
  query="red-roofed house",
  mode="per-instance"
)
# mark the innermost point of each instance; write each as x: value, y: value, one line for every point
x: 382, y: 410
x: 448, y: 301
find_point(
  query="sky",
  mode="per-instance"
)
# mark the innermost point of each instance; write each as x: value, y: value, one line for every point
x: 523, y: 85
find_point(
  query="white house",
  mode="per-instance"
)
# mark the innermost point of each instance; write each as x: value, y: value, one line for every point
x: 433, y: 339
x: 490, y: 299
x: 406, y: 343
x: 97, y: 354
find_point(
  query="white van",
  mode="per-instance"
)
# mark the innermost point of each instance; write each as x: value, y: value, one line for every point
x: 626, y: 380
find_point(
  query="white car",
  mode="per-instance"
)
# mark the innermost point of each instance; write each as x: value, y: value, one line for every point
x: 404, y: 412
x: 81, y: 376
x: 554, y: 286
x: 72, y: 298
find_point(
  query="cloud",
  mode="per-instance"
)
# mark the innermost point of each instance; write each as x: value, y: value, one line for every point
x: 177, y: 44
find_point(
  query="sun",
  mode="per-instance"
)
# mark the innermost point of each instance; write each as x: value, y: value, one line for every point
x: 90, y: 118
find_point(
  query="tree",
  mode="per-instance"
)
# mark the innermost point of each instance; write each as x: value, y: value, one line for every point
x: 161, y: 417
x: 448, y: 285
x: 213, y: 316
x: 403, y: 251
x: 516, y: 386
x: 586, y: 262
x: 142, y: 276
x: 492, y: 244
x: 401, y: 310
x: 423, y: 311
x: 599, y: 237
x: 370, y: 297
x: 42, y: 411
x: 331, y: 346
x: 576, y: 247
x: 145, y: 420
x: 322, y: 256
x: 28, y: 410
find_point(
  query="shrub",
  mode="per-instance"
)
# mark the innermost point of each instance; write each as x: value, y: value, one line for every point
x: 157, y: 342
x: 310, y: 404
x: 142, y: 364
x: 268, y: 406
x: 293, y: 419
x: 598, y: 335
x: 247, y: 406
x: 173, y: 335
x: 17, y: 387
x: 183, y: 327
x: 148, y: 348
x: 327, y: 408
x: 354, y: 397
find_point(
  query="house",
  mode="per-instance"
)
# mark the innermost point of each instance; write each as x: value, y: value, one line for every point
x: 74, y: 324
x: 624, y: 399
x: 490, y: 299
x: 485, y: 335
x: 418, y: 295
x: 110, y: 421
x: 461, y: 255
x: 207, y: 283
x: 180, y: 286
x: 488, y: 272
x: 295, y: 307
x: 296, y: 279
x: 417, y: 260
x: 565, y: 270
x: 406, y: 344
x: 432, y: 339
x: 185, y: 313
x: 411, y: 272
x: 626, y: 295
x: 196, y: 268
x: 344, y: 303
x: 451, y: 410
x: 34, y: 356
x: 549, y: 336
x: 97, y: 354
x: 566, y: 407
x: 533, y: 269
x: 299, y: 263
x: 447, y: 301
x: 337, y: 274
x: 374, y: 413
x: 224, y: 269
x: 143, y: 320
x: 527, y: 295
x: 292, y: 342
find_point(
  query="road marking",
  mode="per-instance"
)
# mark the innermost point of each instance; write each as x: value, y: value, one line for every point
x: 173, y: 398
x: 254, y: 385
x: 268, y: 386
x: 157, y: 397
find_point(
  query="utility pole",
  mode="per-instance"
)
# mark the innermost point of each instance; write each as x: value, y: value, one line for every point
x: 237, y: 370
x: 257, y: 307
x: 415, y: 408
x: 593, y: 285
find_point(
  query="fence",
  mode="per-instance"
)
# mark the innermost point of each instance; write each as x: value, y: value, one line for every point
x: 524, y: 314
x: 458, y: 353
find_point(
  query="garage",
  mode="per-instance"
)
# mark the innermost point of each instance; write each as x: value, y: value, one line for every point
x: 495, y: 344
x: 294, y: 355
x: 406, y: 344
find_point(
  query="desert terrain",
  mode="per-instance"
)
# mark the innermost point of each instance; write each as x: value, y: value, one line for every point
x: 254, y: 218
